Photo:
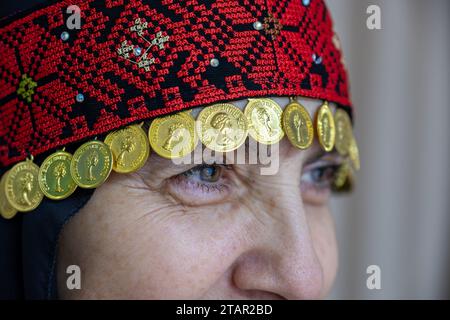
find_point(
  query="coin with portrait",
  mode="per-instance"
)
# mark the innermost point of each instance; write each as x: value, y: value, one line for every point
x: 22, y: 186
x: 222, y: 127
x: 130, y: 148
x: 264, y: 120
x: 173, y: 136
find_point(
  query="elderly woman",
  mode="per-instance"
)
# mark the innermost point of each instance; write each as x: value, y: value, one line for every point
x: 146, y: 133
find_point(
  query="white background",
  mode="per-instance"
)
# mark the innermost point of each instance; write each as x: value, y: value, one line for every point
x: 399, y: 215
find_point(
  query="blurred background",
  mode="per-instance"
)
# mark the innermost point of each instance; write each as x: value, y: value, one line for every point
x: 399, y: 214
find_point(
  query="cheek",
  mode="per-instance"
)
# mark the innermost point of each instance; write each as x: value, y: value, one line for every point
x: 322, y: 228
x: 186, y: 254
x: 153, y: 248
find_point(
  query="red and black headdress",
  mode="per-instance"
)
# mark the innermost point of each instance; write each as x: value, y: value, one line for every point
x: 133, y: 60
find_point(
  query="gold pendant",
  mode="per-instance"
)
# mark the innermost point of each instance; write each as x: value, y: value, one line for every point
x: 129, y: 147
x: 22, y: 186
x: 222, y: 127
x: 341, y: 175
x: 7, y: 211
x: 343, y: 181
x: 91, y: 164
x: 264, y: 120
x: 343, y: 132
x: 298, y: 125
x: 173, y: 136
x: 55, y: 179
x: 354, y: 154
x: 326, y: 130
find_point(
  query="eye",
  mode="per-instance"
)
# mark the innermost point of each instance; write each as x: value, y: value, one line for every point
x: 321, y: 177
x: 316, y: 181
x: 203, y: 184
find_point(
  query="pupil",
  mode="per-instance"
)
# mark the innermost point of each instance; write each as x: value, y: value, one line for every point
x: 317, y: 174
x: 323, y: 174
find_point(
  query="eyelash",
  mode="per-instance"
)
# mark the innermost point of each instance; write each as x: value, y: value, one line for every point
x: 327, y: 172
x: 191, y: 179
x: 317, y: 191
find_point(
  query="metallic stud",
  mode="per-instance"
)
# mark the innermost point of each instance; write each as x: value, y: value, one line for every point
x: 257, y: 25
x: 316, y: 59
x: 80, y: 97
x: 306, y: 2
x: 65, y: 36
x: 214, y: 62
x: 137, y: 51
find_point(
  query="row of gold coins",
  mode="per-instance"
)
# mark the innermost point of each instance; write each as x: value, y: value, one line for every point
x: 221, y: 127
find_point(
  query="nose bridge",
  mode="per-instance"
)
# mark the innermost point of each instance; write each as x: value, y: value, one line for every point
x: 290, y: 249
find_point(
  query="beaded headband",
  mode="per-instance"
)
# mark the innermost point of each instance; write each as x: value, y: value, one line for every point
x: 133, y: 61
x: 221, y: 127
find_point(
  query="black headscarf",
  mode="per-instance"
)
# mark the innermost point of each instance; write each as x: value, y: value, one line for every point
x: 29, y: 241
x: 29, y: 245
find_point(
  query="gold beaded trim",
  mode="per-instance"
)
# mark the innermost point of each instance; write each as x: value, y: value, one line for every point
x: 221, y: 127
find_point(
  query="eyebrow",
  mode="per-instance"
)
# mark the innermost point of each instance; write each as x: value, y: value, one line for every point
x: 319, y: 153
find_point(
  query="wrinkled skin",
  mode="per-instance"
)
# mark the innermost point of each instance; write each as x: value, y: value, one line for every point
x: 159, y: 234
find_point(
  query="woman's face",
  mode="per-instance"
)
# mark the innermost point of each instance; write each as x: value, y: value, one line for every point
x: 172, y: 231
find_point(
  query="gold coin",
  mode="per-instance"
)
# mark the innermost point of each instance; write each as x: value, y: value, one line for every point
x: 343, y: 132
x: 222, y: 127
x: 173, y: 136
x: 91, y: 164
x: 298, y: 125
x: 7, y: 211
x: 325, y: 127
x: 343, y: 181
x: 22, y: 186
x: 129, y: 147
x: 55, y: 179
x: 341, y: 175
x: 354, y: 154
x: 264, y: 120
